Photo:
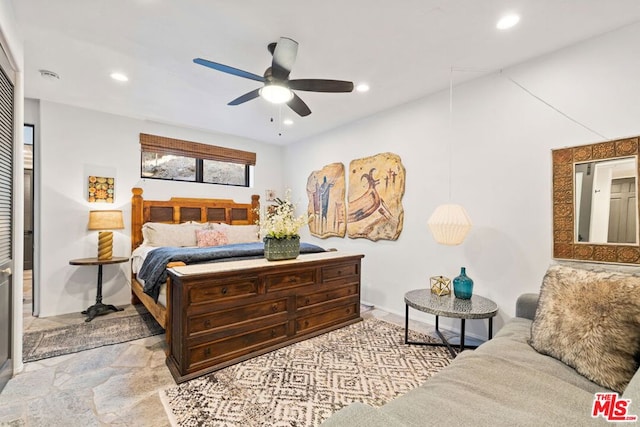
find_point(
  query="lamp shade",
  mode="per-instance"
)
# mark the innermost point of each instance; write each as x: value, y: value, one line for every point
x: 105, y: 220
x: 449, y: 224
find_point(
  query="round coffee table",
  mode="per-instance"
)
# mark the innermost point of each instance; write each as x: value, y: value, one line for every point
x: 448, y: 306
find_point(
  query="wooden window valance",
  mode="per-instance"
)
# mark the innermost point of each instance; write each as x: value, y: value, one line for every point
x: 179, y: 147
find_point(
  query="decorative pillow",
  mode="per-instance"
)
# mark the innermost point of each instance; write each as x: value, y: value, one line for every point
x: 590, y: 320
x: 161, y: 234
x: 238, y: 233
x: 211, y: 238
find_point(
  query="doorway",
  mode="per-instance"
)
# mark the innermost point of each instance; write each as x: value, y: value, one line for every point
x: 28, y: 300
x: 622, y: 211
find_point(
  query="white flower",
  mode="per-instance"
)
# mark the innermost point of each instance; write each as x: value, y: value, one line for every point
x: 280, y: 222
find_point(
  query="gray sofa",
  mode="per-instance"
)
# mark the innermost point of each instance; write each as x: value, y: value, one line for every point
x: 504, y: 382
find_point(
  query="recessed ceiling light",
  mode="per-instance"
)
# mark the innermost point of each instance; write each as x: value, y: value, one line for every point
x: 287, y: 122
x: 507, y: 21
x: 119, y: 77
x: 362, y: 87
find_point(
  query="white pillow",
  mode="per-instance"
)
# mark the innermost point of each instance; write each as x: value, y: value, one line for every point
x: 238, y: 233
x: 161, y: 234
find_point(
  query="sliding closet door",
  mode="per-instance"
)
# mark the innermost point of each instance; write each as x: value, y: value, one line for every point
x: 6, y: 221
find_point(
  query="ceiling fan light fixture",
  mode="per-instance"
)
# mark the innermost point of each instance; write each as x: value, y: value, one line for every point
x: 276, y: 94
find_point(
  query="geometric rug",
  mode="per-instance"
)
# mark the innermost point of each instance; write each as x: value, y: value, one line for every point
x: 87, y: 335
x: 304, y: 383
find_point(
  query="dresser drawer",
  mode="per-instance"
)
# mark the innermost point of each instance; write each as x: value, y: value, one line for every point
x: 211, y: 353
x: 276, y: 282
x: 326, y: 318
x: 340, y: 272
x: 205, y: 293
x: 213, y: 321
x: 326, y: 295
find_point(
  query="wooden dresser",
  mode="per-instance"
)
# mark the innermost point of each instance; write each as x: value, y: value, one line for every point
x: 224, y: 313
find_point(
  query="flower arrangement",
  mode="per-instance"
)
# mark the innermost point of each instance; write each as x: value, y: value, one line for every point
x: 280, y: 222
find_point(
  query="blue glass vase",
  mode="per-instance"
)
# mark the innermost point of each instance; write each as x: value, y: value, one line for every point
x: 463, y: 285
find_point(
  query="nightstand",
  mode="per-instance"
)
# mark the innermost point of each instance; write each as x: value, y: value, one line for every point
x: 98, y: 309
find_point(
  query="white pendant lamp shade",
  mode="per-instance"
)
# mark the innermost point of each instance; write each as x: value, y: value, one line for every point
x: 449, y: 224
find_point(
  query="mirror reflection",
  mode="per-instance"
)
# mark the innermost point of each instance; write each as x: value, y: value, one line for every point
x: 606, y: 209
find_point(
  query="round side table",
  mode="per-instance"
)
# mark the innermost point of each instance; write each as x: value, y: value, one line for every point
x: 448, y: 306
x: 98, y: 309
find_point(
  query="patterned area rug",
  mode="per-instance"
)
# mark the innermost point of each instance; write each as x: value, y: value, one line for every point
x: 304, y: 383
x: 38, y: 345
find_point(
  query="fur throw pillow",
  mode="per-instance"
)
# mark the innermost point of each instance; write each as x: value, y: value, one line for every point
x: 590, y: 320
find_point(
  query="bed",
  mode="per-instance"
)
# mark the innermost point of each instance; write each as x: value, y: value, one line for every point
x: 219, y: 313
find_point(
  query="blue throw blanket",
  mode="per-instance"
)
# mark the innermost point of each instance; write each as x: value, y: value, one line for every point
x: 154, y: 271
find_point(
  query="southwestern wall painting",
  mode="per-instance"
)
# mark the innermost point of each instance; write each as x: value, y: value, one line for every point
x: 376, y: 188
x: 326, y: 192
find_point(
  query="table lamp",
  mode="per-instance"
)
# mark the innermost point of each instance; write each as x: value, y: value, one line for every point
x: 105, y: 220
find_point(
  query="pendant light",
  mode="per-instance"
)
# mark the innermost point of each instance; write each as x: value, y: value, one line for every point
x: 449, y: 223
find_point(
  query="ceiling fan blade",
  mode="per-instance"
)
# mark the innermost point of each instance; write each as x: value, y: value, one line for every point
x: 229, y: 70
x: 246, y: 97
x: 298, y: 105
x: 320, y: 85
x: 284, y: 56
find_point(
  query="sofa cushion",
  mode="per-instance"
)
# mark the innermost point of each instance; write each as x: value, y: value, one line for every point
x: 504, y: 382
x: 360, y: 414
x: 590, y: 320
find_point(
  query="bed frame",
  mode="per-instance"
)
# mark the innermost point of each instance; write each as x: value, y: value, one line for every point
x: 218, y: 314
x: 175, y: 211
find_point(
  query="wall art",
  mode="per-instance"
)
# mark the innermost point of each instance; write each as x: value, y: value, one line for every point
x: 376, y: 188
x: 326, y: 192
x: 101, y: 189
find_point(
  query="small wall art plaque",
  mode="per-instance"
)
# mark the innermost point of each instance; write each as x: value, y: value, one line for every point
x: 101, y: 189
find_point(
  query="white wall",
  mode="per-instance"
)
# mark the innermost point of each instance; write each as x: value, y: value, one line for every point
x: 500, y: 138
x: 75, y: 143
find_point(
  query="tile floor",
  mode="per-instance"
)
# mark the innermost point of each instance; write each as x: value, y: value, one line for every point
x: 116, y: 385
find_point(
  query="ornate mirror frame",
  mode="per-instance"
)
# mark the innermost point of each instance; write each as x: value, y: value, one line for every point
x: 564, y: 245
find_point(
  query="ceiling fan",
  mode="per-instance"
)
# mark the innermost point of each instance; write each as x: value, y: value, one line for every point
x: 277, y: 88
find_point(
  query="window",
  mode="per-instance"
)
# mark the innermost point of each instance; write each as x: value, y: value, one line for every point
x: 178, y: 160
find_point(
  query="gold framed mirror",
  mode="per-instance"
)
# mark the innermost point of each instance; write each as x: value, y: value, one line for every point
x: 582, y: 232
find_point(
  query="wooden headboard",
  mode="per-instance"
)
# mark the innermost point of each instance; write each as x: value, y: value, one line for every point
x: 178, y: 210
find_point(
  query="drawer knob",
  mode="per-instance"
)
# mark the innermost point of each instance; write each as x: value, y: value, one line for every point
x: 307, y: 300
x: 292, y: 280
x: 207, y: 323
x: 224, y: 291
x: 339, y: 272
x: 274, y: 307
x: 348, y: 310
x: 306, y: 323
x: 207, y: 351
x: 273, y: 333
